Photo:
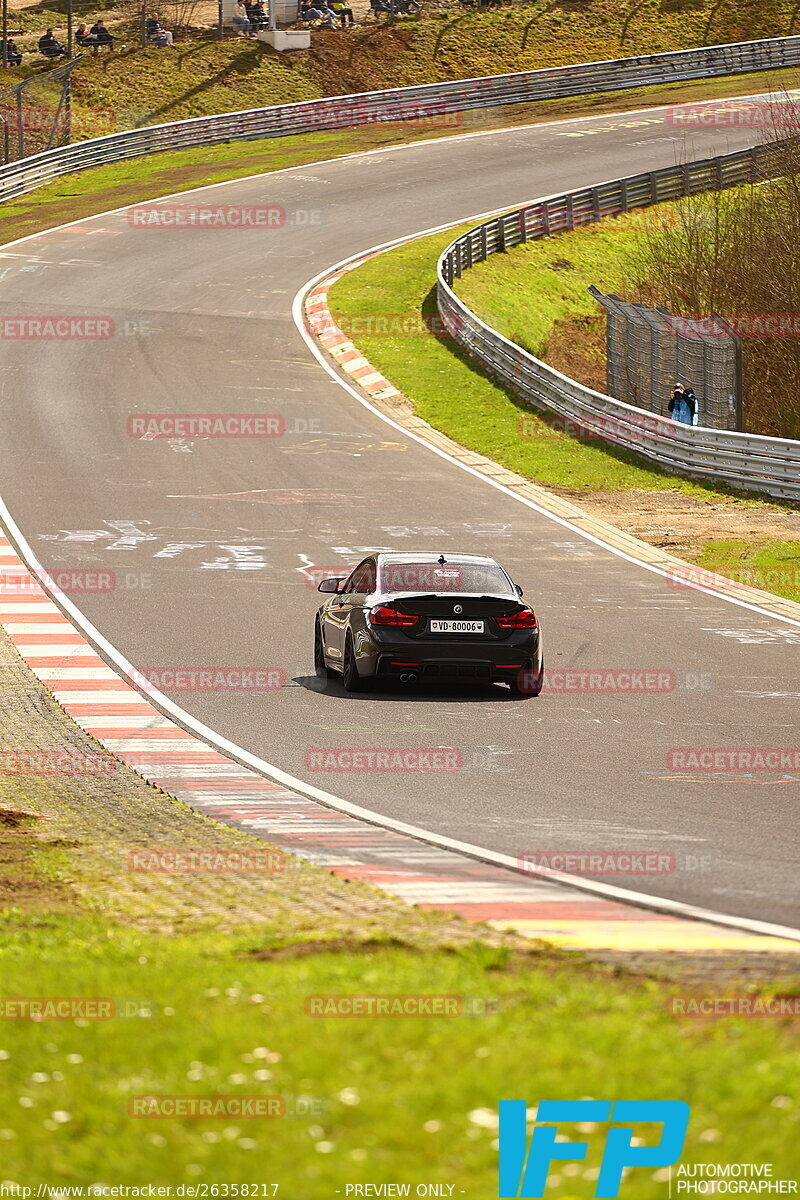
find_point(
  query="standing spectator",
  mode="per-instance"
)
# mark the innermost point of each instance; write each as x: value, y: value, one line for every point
x: 241, y: 20
x: 157, y: 33
x: 13, y: 56
x: 344, y: 14
x: 50, y: 47
x: 100, y: 32
x: 682, y: 405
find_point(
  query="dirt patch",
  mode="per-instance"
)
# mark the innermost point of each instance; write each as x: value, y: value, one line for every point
x: 331, y: 946
x: 13, y: 818
x: 682, y: 524
x: 577, y: 348
x: 23, y: 884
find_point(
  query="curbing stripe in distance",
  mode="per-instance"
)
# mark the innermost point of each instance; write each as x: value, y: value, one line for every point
x: 134, y: 728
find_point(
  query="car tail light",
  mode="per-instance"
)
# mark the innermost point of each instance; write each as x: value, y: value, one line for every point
x: 524, y: 619
x: 384, y: 614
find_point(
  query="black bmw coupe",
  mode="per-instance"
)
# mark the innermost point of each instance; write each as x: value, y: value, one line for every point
x: 414, y: 617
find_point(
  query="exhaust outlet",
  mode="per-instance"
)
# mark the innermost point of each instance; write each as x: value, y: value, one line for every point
x: 407, y: 677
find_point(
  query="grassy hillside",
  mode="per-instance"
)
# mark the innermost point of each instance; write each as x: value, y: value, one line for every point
x: 137, y: 86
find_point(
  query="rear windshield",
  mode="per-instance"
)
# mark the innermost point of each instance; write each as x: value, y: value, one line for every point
x: 450, y: 577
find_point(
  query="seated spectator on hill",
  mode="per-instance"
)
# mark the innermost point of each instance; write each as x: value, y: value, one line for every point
x: 157, y: 33
x: 13, y: 56
x: 344, y: 14
x: 84, y: 39
x: 256, y: 15
x: 240, y: 19
x: 381, y: 6
x: 100, y: 32
x: 316, y: 11
x: 49, y: 45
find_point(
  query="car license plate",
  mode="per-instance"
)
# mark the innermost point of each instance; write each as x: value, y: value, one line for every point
x: 456, y: 626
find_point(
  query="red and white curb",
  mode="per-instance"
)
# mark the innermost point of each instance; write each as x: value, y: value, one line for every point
x: 124, y: 721
x: 127, y: 724
x: 338, y: 345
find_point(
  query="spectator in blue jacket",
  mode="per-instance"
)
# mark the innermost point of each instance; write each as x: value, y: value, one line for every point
x: 682, y: 405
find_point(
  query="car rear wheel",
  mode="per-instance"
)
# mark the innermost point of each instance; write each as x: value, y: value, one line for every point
x: 323, y: 671
x: 525, y: 684
x: 350, y: 677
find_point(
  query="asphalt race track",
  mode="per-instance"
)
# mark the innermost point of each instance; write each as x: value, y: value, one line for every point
x: 208, y: 539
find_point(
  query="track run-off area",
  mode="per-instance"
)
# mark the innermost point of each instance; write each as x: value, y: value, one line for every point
x: 212, y: 543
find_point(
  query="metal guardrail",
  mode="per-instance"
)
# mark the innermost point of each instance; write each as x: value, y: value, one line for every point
x: 402, y: 104
x: 750, y: 461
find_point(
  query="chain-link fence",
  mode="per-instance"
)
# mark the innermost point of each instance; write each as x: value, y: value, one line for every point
x: 36, y: 115
x: 648, y: 351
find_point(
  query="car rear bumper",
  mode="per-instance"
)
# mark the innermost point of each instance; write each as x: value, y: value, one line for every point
x: 426, y: 659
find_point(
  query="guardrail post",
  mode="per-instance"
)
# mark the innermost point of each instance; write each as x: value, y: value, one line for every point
x: 501, y: 235
x: 596, y: 213
x: 484, y: 244
x: 523, y: 225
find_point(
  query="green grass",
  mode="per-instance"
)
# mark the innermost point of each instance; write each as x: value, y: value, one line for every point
x: 772, y: 566
x: 526, y: 292
x: 561, y: 1030
x: 143, y: 86
x: 210, y: 976
x: 451, y: 394
x: 102, y: 188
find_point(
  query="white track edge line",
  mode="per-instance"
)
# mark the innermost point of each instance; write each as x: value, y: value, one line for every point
x: 324, y: 360
x: 639, y: 899
x: 675, y: 908
x: 323, y: 162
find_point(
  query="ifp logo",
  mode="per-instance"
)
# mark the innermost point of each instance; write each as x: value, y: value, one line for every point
x: 523, y: 1172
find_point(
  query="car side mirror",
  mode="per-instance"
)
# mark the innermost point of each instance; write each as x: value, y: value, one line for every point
x: 518, y: 589
x: 330, y: 585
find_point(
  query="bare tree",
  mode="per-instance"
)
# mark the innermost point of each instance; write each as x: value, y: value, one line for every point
x: 737, y: 253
